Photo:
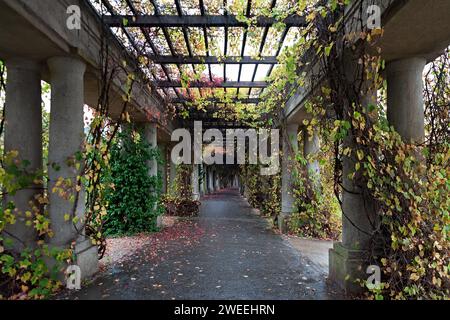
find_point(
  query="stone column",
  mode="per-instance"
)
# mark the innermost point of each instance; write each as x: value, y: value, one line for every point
x: 348, y: 259
x: 405, y: 109
x: 311, y: 146
x: 151, y: 135
x: 66, y: 139
x: 23, y: 133
x: 195, y: 183
x: 290, y: 148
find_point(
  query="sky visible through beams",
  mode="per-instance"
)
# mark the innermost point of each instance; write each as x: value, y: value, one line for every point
x: 196, y: 36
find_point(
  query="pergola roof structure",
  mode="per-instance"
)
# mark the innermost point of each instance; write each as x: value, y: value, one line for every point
x: 204, y: 43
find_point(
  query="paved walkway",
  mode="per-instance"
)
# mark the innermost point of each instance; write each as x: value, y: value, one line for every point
x: 238, y: 256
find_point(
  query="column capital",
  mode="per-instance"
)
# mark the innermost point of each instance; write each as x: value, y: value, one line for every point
x: 67, y: 65
x: 19, y: 63
x: 406, y: 64
x: 405, y: 101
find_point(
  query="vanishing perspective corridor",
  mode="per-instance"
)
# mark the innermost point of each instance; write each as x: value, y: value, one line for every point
x: 238, y: 256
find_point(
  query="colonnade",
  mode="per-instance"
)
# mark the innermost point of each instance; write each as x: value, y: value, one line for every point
x: 23, y: 133
x: 405, y: 112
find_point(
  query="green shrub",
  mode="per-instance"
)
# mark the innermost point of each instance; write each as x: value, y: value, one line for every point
x: 134, y: 196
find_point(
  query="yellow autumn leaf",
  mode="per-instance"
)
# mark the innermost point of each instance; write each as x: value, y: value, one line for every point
x: 414, y: 277
x: 310, y: 17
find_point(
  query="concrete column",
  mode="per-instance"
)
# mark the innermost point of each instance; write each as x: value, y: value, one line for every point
x: 405, y: 109
x: 348, y: 259
x: 311, y: 146
x: 23, y: 133
x: 195, y: 183
x: 290, y: 148
x: 66, y: 138
x: 151, y: 135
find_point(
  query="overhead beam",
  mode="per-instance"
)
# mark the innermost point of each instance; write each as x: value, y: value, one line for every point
x: 212, y: 60
x: 227, y: 84
x: 196, y: 21
x: 217, y: 100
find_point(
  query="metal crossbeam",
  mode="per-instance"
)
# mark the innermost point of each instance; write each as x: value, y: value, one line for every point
x: 212, y: 60
x: 227, y: 84
x: 262, y: 43
x: 244, y: 40
x: 216, y: 100
x: 204, y: 20
x: 196, y: 21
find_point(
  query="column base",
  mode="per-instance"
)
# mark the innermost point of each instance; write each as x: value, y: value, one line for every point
x: 283, y: 220
x: 346, y: 266
x: 86, y: 258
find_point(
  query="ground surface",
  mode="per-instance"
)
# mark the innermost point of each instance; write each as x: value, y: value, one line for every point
x: 228, y: 252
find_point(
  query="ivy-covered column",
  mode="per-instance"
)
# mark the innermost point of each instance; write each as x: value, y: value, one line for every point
x: 290, y: 148
x: 348, y: 260
x: 66, y: 139
x: 311, y: 146
x: 405, y: 104
x: 23, y: 133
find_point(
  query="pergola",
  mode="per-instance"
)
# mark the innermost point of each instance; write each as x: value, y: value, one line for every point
x: 208, y: 43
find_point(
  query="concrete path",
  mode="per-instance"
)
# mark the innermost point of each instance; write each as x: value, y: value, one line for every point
x: 238, y: 256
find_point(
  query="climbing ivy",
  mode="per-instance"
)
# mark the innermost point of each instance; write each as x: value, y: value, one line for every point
x: 317, y: 213
x: 134, y: 196
x: 411, y: 196
x: 179, y: 200
x: 262, y: 192
x: 26, y: 273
